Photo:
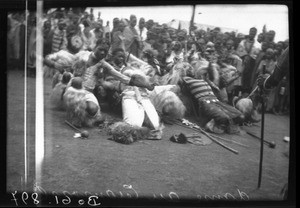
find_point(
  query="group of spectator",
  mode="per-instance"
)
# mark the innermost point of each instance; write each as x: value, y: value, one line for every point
x: 161, y: 45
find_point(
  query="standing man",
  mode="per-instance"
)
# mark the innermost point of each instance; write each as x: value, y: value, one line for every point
x: 117, y: 40
x: 248, y: 53
x: 106, y: 30
x: 282, y: 69
x: 97, y: 33
x: 59, y: 39
x: 142, y: 30
x: 47, y: 34
x: 132, y: 40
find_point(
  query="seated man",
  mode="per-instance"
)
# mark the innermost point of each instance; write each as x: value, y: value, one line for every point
x: 59, y: 90
x: 82, y: 106
x: 175, y: 56
x: 221, y: 116
x: 109, y: 88
x: 93, y: 66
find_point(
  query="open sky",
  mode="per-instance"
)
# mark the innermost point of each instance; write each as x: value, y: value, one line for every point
x: 240, y: 17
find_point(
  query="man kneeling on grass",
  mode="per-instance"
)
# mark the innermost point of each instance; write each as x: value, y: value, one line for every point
x: 221, y: 116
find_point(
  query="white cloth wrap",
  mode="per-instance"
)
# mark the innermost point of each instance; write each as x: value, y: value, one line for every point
x: 134, y: 108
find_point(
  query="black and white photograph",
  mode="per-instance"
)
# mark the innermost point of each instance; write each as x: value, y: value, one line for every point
x: 149, y: 104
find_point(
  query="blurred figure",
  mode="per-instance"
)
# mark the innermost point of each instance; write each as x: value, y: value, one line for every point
x: 260, y: 38
x: 118, y: 39
x: 270, y: 36
x: 132, y: 40
x: 248, y: 53
x: 279, y: 49
x: 31, y: 53
x: 175, y: 56
x: 281, y: 71
x: 59, y: 39
x: 97, y: 33
x: 73, y: 28
x: 142, y: 30
x: 87, y: 36
x: 15, y: 40
x: 48, y: 35
x: 259, y: 58
x: 116, y: 22
x: 282, y: 98
x: 106, y: 31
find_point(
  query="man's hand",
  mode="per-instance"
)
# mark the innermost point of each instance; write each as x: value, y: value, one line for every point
x: 223, y: 82
x: 59, y: 67
x: 140, y: 81
x: 261, y: 79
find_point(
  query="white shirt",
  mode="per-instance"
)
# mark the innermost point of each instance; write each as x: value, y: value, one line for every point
x: 143, y: 33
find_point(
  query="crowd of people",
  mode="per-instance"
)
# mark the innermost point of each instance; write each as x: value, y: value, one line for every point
x: 229, y: 63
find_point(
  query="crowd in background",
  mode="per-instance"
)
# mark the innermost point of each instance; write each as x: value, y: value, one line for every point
x: 162, y: 45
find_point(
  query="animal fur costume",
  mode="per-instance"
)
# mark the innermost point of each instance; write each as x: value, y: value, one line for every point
x: 174, y: 77
x: 245, y: 105
x: 166, y: 101
x: 76, y: 101
x: 65, y: 59
x: 165, y: 98
x: 125, y: 133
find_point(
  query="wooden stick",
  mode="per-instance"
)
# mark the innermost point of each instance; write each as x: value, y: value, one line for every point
x: 218, y: 142
x: 261, y: 137
x: 71, y: 125
x: 209, y: 136
x: 243, y: 145
x: 270, y: 144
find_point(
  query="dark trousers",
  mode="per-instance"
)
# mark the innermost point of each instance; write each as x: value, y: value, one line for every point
x: 222, y: 113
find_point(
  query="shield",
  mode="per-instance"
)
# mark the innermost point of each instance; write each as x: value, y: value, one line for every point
x: 76, y: 41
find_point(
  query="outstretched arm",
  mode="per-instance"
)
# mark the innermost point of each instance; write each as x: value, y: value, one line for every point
x: 111, y: 70
x: 134, y: 80
x: 132, y: 58
x: 48, y: 61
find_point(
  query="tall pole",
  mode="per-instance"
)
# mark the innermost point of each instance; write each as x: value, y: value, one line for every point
x: 25, y: 98
x: 261, y: 132
x: 192, y: 19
